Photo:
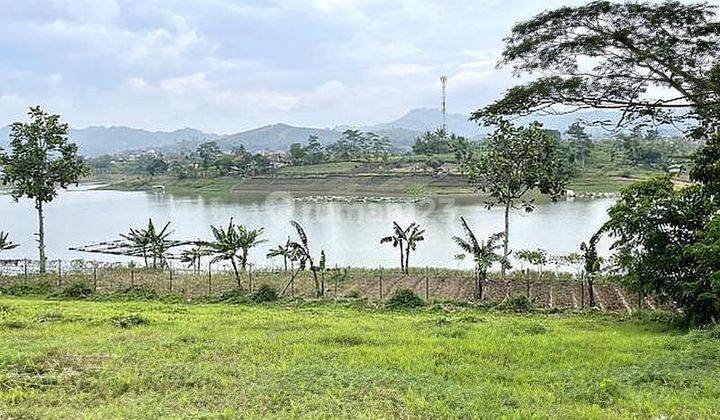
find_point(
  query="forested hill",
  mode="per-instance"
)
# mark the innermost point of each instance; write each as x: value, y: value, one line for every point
x: 96, y: 141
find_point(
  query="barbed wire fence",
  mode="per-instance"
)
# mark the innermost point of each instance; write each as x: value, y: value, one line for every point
x: 559, y: 290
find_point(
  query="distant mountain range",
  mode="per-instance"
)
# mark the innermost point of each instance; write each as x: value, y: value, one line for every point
x: 95, y: 141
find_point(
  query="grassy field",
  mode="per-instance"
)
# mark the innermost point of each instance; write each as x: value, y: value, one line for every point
x: 79, y: 359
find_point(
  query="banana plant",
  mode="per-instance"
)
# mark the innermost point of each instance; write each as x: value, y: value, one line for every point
x: 484, y: 254
x: 5, y: 243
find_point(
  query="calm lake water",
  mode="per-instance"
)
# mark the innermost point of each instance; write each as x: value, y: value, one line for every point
x: 349, y: 233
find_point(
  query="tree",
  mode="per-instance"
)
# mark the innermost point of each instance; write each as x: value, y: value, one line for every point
x: 208, y: 152
x: 379, y: 145
x: 300, y: 252
x: 413, y: 235
x: 297, y: 154
x: 397, y: 239
x: 227, y: 246
x: 431, y: 142
x: 406, y: 240
x: 5, y: 243
x: 515, y: 161
x: 580, y: 144
x: 150, y: 242
x: 41, y: 160
x: 156, y: 166
x: 314, y: 151
x: 592, y: 263
x: 281, y: 251
x: 655, y: 229
x: 538, y: 258
x: 248, y: 239
x: 484, y: 253
x: 636, y: 48
x: 193, y: 257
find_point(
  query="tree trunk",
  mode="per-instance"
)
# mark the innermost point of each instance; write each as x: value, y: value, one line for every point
x: 506, y: 239
x: 317, y: 283
x: 527, y: 282
x: 407, y: 260
x: 237, y: 274
x: 285, y: 262
x: 591, y: 292
x: 243, y: 260
x: 41, y: 235
x: 402, y: 258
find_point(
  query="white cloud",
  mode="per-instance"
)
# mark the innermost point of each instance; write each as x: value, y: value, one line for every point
x: 408, y: 69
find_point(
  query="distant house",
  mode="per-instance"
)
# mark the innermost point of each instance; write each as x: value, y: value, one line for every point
x: 276, y: 159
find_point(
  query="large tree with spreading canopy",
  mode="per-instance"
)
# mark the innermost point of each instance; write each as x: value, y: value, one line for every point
x: 656, y: 63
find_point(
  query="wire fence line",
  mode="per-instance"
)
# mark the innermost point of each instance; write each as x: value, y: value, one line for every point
x: 546, y: 289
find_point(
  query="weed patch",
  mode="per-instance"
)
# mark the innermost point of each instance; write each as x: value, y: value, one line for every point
x: 265, y: 293
x: 129, y: 321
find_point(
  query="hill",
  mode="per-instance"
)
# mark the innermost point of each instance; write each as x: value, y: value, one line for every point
x: 94, y: 141
x: 281, y: 136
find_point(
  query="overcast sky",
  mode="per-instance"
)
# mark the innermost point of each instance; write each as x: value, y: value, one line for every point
x: 223, y: 66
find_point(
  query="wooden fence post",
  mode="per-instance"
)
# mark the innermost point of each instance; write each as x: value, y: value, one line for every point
x: 322, y: 283
x: 250, y: 277
x: 171, y: 277
x: 26, y: 270
x: 132, y: 278
x: 427, y: 285
x: 381, y: 283
x: 209, y: 278
x: 95, y: 277
x: 59, y: 273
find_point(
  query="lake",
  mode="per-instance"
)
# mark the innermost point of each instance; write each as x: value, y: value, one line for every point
x: 349, y: 233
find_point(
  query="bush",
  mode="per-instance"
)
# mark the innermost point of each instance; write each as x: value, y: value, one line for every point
x: 519, y: 303
x: 265, y: 293
x: 27, y: 289
x: 77, y: 290
x: 404, y: 299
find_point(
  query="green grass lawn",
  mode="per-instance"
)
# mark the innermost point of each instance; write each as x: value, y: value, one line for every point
x: 70, y: 359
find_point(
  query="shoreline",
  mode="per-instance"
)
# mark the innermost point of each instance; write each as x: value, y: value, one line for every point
x: 340, y: 188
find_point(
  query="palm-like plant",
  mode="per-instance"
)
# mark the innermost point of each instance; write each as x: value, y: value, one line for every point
x: 397, y: 239
x: 233, y: 244
x: 300, y: 251
x: 413, y: 235
x: 5, y: 243
x: 150, y: 242
x: 406, y: 240
x: 592, y: 262
x: 248, y: 239
x: 192, y: 257
x: 281, y: 251
x: 484, y: 254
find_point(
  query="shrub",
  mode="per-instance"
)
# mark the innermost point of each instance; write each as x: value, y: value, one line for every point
x: 27, y: 289
x: 519, y: 303
x: 128, y: 321
x: 265, y: 293
x: 404, y: 299
x: 353, y: 294
x: 77, y: 290
x: 232, y: 296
